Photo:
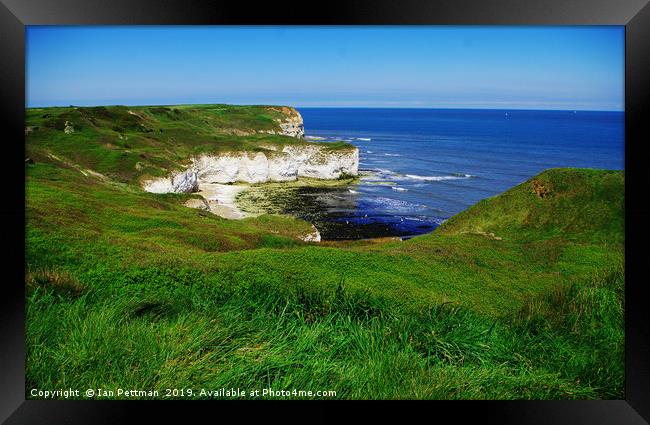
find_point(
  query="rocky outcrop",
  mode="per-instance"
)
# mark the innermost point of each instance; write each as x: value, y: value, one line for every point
x: 179, y: 182
x: 291, y: 124
x: 257, y: 167
x: 186, y: 182
x: 314, y: 236
x: 68, y: 128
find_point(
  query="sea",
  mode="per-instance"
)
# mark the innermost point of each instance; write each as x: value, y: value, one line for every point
x: 418, y: 167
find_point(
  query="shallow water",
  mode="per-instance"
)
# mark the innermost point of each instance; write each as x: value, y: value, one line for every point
x: 421, y: 166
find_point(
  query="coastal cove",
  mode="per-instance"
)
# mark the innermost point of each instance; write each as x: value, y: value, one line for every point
x: 419, y: 167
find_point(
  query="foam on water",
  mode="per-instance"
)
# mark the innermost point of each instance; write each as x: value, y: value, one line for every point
x: 439, y: 178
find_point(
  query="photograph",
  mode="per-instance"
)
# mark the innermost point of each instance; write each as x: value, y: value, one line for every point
x: 277, y: 212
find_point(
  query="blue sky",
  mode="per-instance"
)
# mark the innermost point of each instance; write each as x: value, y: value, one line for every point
x: 442, y: 67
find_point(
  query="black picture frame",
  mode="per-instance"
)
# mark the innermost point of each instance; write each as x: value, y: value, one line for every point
x: 16, y: 14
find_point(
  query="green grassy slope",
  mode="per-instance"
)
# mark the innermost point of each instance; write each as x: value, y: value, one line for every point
x: 127, y: 143
x: 520, y: 296
x: 558, y: 203
x: 90, y: 218
x: 132, y: 289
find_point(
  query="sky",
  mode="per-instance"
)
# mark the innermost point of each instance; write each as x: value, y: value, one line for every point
x: 574, y: 68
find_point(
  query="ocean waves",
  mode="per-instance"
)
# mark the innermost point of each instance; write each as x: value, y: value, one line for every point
x: 440, y: 178
x: 386, y: 175
x: 395, y: 191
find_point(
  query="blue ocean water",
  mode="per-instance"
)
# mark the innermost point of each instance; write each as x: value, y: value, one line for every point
x: 421, y: 166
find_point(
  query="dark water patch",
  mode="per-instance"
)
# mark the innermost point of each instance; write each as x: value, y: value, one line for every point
x: 341, y: 213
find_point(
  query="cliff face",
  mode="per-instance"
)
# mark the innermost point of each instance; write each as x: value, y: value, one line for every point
x: 291, y: 124
x: 264, y: 162
x: 257, y: 167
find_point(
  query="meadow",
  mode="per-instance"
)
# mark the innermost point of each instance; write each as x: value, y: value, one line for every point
x: 519, y: 297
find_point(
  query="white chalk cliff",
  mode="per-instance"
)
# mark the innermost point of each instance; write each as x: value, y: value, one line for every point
x: 257, y: 167
x: 274, y: 163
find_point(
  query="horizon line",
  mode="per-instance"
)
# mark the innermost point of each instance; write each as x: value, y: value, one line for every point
x: 333, y: 107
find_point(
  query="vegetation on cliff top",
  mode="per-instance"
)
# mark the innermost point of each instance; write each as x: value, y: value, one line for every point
x: 126, y: 143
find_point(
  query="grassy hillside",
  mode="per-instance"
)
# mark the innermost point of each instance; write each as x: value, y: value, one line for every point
x: 126, y: 143
x: 520, y: 296
x: 567, y: 204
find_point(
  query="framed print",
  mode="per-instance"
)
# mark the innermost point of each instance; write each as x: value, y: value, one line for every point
x: 425, y: 201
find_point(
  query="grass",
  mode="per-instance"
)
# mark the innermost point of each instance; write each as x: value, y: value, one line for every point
x: 193, y: 335
x: 518, y: 297
x: 556, y: 203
